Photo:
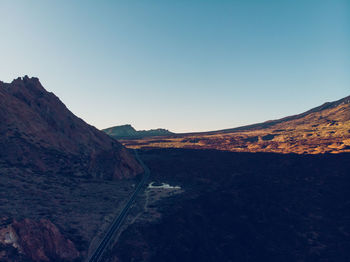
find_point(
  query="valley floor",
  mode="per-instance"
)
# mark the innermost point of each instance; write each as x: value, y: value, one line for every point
x: 240, y: 207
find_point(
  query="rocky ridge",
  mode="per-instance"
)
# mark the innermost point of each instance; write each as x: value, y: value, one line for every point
x: 39, y: 132
x: 128, y: 132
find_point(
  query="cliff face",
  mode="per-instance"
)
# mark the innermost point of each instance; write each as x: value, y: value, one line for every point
x: 39, y: 132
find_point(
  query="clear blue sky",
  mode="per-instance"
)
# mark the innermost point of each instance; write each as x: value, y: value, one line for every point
x: 183, y: 65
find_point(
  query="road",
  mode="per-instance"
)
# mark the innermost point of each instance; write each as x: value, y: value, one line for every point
x: 97, y: 255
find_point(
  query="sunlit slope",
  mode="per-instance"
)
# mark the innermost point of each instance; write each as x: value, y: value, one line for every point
x: 319, y: 130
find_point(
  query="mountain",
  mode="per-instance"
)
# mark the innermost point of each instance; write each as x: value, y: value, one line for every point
x: 326, y: 108
x: 38, y: 132
x: 324, y: 129
x: 128, y: 132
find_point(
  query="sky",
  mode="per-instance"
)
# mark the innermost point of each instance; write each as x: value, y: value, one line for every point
x: 184, y: 65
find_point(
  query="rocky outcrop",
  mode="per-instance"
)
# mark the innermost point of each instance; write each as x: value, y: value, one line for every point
x: 39, y: 132
x: 128, y: 132
x: 29, y: 240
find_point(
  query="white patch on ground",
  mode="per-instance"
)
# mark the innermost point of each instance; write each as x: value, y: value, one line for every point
x: 163, y: 186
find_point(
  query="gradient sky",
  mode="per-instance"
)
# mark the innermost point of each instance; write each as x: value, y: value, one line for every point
x: 182, y: 65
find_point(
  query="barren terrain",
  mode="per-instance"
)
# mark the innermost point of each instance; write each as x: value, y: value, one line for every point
x: 322, y: 130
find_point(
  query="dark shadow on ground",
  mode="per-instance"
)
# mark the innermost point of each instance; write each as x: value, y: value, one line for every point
x: 245, y: 207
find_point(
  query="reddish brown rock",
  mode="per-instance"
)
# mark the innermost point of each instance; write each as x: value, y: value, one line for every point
x: 42, y: 241
x: 39, y: 132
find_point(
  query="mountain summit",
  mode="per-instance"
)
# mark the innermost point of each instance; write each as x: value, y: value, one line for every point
x: 40, y: 133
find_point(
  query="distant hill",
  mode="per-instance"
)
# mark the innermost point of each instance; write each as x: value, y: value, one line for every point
x: 128, y: 132
x: 343, y: 115
x: 323, y: 129
x: 38, y: 132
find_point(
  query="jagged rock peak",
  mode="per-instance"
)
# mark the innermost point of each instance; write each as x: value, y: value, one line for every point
x: 28, y: 82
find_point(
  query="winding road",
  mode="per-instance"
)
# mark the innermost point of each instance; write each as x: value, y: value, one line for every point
x: 97, y: 255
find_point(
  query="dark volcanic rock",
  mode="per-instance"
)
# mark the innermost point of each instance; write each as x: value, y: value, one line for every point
x: 39, y: 132
x: 244, y: 207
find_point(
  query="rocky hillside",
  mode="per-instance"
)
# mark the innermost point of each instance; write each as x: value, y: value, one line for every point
x: 30, y: 240
x: 128, y: 132
x: 38, y: 132
x: 329, y: 110
x: 324, y: 129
